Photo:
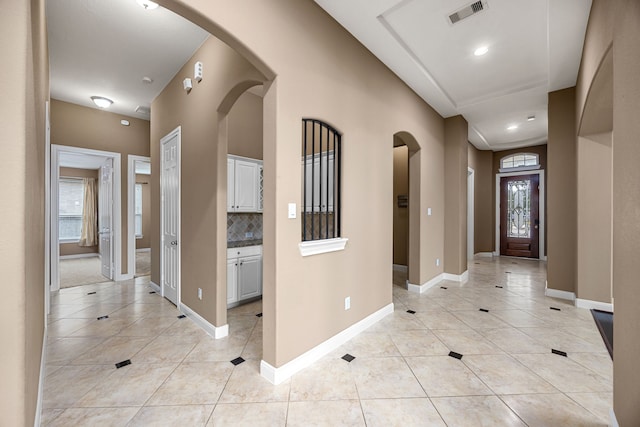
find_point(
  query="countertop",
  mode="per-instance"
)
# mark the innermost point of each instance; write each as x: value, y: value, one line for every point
x: 243, y: 243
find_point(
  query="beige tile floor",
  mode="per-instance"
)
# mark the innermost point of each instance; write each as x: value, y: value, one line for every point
x: 402, y: 374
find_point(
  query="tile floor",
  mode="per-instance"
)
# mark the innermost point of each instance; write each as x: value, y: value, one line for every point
x: 401, y: 374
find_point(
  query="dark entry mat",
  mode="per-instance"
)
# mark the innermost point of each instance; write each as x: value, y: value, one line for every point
x: 604, y: 321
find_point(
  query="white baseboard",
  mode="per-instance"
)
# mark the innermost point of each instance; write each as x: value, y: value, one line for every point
x: 74, y: 256
x: 484, y: 254
x: 143, y: 250
x: 496, y: 253
x: 214, y: 331
x: 419, y: 289
x: 457, y: 277
x: 43, y: 368
x: 400, y: 268
x: 286, y: 371
x: 613, y: 419
x: 555, y: 293
x: 121, y: 277
x: 589, y: 304
x: 155, y: 288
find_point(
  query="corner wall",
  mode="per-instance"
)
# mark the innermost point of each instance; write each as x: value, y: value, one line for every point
x: 562, y: 192
x: 22, y: 128
x: 481, y: 161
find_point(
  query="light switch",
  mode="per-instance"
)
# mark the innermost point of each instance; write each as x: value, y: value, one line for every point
x: 292, y: 210
x: 429, y: 211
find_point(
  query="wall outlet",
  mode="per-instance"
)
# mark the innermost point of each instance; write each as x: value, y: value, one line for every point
x: 437, y: 262
x: 248, y: 234
x: 200, y: 293
x: 347, y: 303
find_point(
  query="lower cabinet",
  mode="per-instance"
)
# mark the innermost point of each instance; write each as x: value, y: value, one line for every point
x: 244, y: 274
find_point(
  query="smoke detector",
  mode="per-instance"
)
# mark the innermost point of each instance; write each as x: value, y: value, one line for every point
x: 467, y: 11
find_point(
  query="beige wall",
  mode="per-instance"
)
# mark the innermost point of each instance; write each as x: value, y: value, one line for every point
x: 562, y: 192
x: 455, y: 181
x: 400, y: 214
x: 145, y: 241
x: 73, y: 248
x: 25, y: 88
x: 626, y: 210
x: 594, y: 218
x: 245, y: 126
x: 481, y: 161
x: 76, y: 126
x: 368, y: 104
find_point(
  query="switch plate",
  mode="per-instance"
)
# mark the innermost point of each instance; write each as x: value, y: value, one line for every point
x: 292, y: 210
x: 347, y: 303
x: 199, y: 293
x: 437, y: 262
x: 429, y: 211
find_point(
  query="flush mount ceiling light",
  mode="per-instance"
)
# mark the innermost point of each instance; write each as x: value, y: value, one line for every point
x: 481, y: 50
x: 531, y: 118
x: 101, y: 101
x: 512, y: 127
x: 148, y: 5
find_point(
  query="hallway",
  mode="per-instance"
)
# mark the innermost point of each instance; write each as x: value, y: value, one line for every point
x: 401, y: 374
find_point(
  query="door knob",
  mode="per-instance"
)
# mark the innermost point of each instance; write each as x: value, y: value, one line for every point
x: 174, y: 243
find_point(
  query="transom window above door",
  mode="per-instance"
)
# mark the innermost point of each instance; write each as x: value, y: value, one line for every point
x: 520, y: 161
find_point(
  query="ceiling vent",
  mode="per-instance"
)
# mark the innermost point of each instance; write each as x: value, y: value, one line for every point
x: 143, y: 110
x: 467, y: 11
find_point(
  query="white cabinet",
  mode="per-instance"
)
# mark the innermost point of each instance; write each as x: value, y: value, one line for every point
x: 244, y: 273
x: 319, y: 183
x: 243, y: 184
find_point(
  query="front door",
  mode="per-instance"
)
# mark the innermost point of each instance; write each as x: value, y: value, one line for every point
x: 170, y: 215
x: 105, y: 210
x: 519, y: 219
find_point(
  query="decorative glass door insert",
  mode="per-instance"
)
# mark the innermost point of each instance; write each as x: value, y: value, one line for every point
x: 519, y: 209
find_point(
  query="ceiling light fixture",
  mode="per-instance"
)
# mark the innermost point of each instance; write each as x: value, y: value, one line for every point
x: 531, y: 118
x: 512, y: 127
x: 147, y: 4
x: 101, y: 101
x: 147, y: 80
x: 481, y: 50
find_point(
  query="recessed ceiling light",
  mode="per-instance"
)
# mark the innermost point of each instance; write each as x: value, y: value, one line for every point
x: 512, y: 127
x: 481, y: 50
x: 531, y: 118
x: 148, y: 5
x: 101, y: 101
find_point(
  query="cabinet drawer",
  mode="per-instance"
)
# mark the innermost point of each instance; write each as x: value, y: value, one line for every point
x: 243, y: 252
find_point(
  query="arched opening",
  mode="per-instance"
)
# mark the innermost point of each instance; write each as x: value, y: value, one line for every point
x: 406, y: 210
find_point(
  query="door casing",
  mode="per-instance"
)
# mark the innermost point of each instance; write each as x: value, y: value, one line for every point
x: 542, y: 254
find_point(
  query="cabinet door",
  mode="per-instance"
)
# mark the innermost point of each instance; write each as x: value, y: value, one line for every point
x: 246, y: 191
x: 232, y: 280
x: 231, y: 185
x: 249, y: 277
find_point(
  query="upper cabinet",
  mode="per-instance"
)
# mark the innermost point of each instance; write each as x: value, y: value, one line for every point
x: 244, y: 184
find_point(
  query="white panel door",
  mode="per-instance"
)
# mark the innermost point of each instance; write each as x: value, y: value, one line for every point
x: 249, y: 277
x: 232, y: 280
x: 170, y: 215
x: 231, y: 185
x: 246, y: 186
x: 105, y: 212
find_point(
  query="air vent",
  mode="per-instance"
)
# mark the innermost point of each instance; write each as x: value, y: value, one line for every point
x: 143, y: 110
x: 467, y: 11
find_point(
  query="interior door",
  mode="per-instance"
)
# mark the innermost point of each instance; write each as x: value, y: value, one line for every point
x: 105, y: 211
x: 170, y: 220
x: 519, y: 216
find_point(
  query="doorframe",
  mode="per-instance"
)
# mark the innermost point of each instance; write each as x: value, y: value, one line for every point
x: 131, y: 229
x: 176, y: 132
x: 53, y: 190
x: 471, y: 177
x: 542, y: 254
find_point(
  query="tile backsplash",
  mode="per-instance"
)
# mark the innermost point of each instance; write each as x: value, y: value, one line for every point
x: 238, y: 224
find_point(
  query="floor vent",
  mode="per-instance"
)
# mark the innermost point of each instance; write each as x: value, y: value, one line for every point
x: 467, y: 11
